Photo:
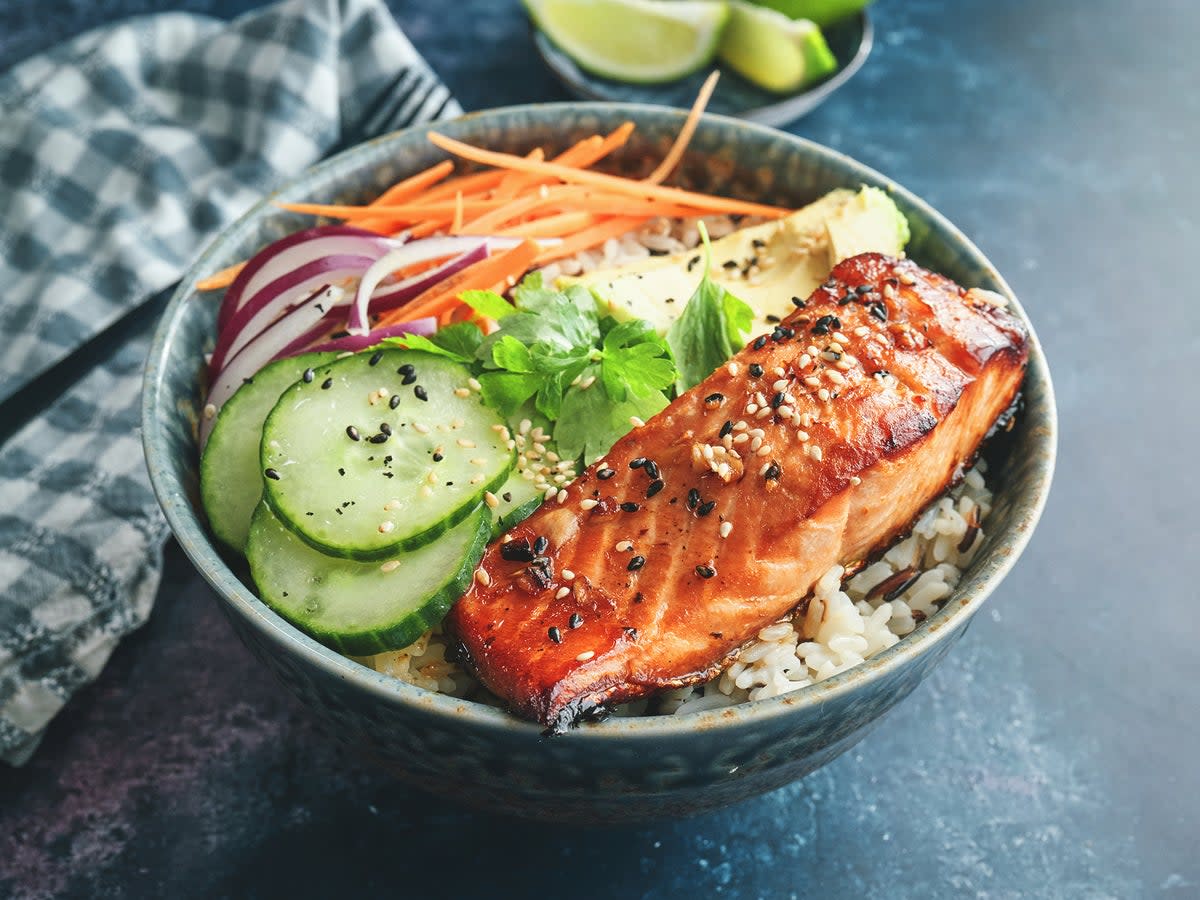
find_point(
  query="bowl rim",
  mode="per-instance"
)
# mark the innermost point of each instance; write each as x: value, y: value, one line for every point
x: 954, y: 614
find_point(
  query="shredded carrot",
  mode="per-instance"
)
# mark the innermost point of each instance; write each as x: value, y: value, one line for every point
x: 589, y: 237
x: 671, y: 160
x: 413, y: 185
x: 456, y: 222
x: 514, y: 182
x: 615, y: 183
x: 222, y: 279
x: 550, y: 226
x: 483, y: 274
x: 399, y: 211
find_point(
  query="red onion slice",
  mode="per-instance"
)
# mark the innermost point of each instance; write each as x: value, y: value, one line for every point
x: 356, y: 342
x: 281, y: 295
x: 288, y: 253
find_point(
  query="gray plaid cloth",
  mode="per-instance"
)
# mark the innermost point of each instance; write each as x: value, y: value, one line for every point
x: 122, y: 153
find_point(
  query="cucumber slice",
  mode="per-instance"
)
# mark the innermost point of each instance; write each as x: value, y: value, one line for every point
x: 230, y: 477
x: 362, y: 608
x: 359, y: 474
x: 518, y: 499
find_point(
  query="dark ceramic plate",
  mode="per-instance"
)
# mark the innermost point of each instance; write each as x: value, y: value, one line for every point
x: 850, y: 40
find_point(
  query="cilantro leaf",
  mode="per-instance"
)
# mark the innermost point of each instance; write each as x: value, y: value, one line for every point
x: 713, y: 327
x: 635, y: 360
x: 590, y: 421
x: 509, y: 353
x: 506, y: 391
x: 458, y: 342
x: 487, y: 303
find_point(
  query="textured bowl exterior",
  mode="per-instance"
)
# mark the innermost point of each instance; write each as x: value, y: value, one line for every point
x: 619, y: 769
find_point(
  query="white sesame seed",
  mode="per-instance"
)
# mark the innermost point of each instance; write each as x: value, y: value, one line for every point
x: 840, y: 338
x: 906, y: 278
x: 786, y: 412
x: 846, y: 363
x: 431, y: 476
x: 483, y: 577
x: 812, y: 380
x: 524, y: 427
x: 755, y: 444
x: 462, y: 392
x: 835, y: 376
x: 756, y: 432
x: 741, y: 438
x: 765, y: 467
x: 386, y: 527
x: 457, y: 424
x: 491, y: 499
x: 733, y: 368
x: 551, y: 492
x: 425, y: 491
x: 478, y: 461
x: 561, y: 592
x: 568, y: 575
x: 726, y: 528
x: 780, y: 385
x: 562, y: 496
x: 862, y: 331
x: 473, y: 384
x: 575, y: 381
x: 624, y: 546
x: 420, y: 429
x: 390, y: 505
x: 510, y: 444
x: 854, y: 479
x: 763, y: 413
x: 812, y: 350
x: 707, y: 450
x: 823, y: 395
x: 759, y: 398
x: 815, y: 452
x: 636, y: 422
x: 802, y: 436
x: 587, y: 382
x: 559, y: 479
x: 209, y: 410
x: 764, y: 449
x: 585, y: 655
x: 804, y: 360
x: 588, y: 504
x: 477, y: 479
x: 390, y: 566
x: 751, y: 408
x: 463, y: 442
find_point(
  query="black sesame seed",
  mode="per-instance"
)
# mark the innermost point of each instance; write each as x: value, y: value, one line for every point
x: 848, y: 298
x: 705, y: 508
x: 760, y: 342
x: 773, y: 472
x: 777, y: 400
x: 375, y: 358
x: 630, y: 506
x: 655, y: 487
x: 385, y: 428
x: 756, y: 370
x: 652, y: 470
x: 352, y: 433
x: 380, y: 438
x: 437, y: 457
x: 409, y: 378
x: 879, y: 310
x: 575, y: 621
x: 692, y: 263
x: 394, y: 402
x: 420, y: 393
x: 272, y: 474
x: 555, y: 634
x: 864, y: 289
x: 773, y: 319
x: 637, y: 463
x: 799, y: 303
x: 507, y: 496
x: 326, y: 384
x: 714, y: 399
x: 705, y: 571
x: 729, y: 264
x: 341, y: 471
x: 825, y: 324
x: 605, y: 474
x: 726, y: 429
x: 406, y: 369
x: 636, y: 563
x: 782, y: 333
x: 309, y: 374
x: 540, y: 544
x: 516, y: 551
x: 693, y: 498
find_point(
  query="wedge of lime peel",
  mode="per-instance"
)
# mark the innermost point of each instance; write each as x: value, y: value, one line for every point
x: 773, y: 51
x: 823, y: 12
x: 641, y: 41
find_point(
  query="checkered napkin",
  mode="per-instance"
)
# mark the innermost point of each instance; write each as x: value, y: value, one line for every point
x: 122, y: 153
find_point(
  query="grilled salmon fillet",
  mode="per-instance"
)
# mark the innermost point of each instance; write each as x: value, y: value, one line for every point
x: 816, y: 445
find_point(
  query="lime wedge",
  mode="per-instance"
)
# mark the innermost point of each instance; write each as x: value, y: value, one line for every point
x: 644, y: 41
x: 823, y: 12
x: 773, y: 51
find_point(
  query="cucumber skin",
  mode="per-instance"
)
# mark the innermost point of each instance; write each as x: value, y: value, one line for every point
x: 412, y: 542
x: 408, y: 629
x: 210, y: 458
x: 515, y: 516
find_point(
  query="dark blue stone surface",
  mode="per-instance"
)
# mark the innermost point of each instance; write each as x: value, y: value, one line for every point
x: 1053, y: 754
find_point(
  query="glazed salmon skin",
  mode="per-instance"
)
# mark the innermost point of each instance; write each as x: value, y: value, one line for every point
x: 815, y: 445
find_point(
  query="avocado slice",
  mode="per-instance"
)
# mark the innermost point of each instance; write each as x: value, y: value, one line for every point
x: 764, y: 265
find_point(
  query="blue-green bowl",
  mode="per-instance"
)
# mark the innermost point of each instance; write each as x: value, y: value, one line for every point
x: 620, y: 769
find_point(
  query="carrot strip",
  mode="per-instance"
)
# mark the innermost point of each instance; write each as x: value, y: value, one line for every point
x: 550, y: 226
x: 414, y: 184
x: 589, y: 237
x: 222, y: 279
x: 412, y: 211
x: 513, y: 182
x: 428, y: 227
x: 456, y: 222
x: 671, y: 160
x: 613, y: 182
x: 483, y: 274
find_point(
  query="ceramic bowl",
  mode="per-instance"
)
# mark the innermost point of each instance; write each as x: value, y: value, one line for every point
x: 622, y: 768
